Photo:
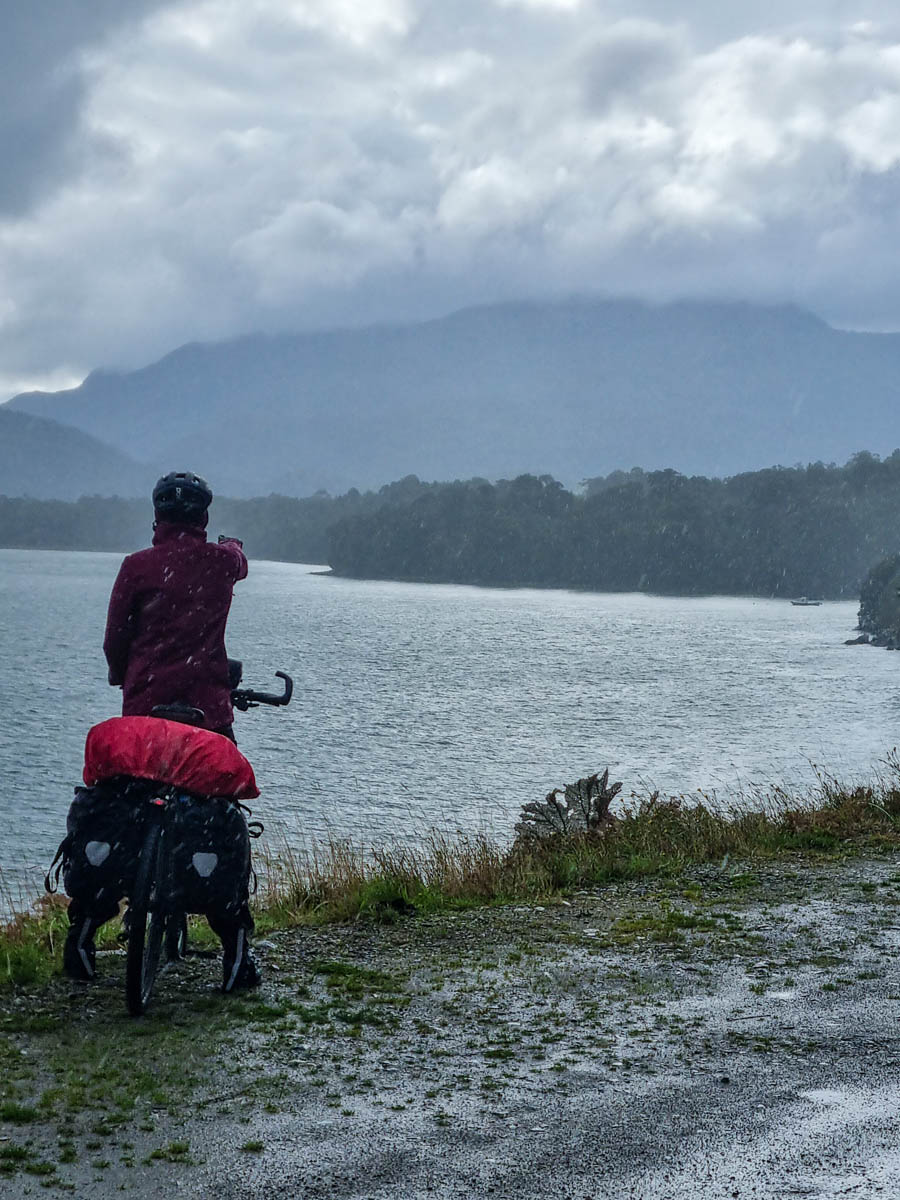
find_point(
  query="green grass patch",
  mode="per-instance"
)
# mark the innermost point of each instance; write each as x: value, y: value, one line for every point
x: 668, y: 925
x: 175, y: 1152
x: 31, y: 943
x: 39, y: 1167
x: 18, y: 1114
x: 354, y: 980
x: 13, y: 1154
x: 744, y: 881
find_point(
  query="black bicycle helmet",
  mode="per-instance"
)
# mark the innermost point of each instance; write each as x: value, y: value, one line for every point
x: 181, y: 496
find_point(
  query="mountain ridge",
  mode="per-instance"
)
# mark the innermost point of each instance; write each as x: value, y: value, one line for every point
x: 48, y: 460
x: 571, y: 388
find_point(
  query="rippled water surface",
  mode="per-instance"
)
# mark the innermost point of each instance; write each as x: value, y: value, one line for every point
x: 421, y: 705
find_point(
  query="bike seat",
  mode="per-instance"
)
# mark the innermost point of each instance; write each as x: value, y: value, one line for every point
x: 183, y: 713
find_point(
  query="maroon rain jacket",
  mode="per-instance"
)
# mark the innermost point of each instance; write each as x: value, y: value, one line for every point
x: 165, y: 632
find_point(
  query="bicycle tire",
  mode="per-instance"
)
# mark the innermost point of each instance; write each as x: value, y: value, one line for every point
x: 147, y: 925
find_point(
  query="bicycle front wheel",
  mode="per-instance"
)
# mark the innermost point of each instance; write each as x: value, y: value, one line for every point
x: 148, y: 922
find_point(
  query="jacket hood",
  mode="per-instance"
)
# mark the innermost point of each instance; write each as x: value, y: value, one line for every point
x: 173, y: 531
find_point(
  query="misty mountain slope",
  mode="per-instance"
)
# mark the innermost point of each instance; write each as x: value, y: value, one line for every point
x: 46, y: 460
x: 571, y: 389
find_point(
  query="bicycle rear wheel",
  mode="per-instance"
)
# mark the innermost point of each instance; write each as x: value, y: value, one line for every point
x: 148, y: 922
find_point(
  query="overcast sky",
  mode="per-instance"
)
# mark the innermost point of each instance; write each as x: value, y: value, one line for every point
x: 197, y: 169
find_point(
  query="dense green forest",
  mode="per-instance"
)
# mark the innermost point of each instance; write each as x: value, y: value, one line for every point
x: 815, y: 530
x: 879, y: 602
x: 273, y: 527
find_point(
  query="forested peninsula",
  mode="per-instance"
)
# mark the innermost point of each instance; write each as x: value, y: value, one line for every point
x: 815, y: 530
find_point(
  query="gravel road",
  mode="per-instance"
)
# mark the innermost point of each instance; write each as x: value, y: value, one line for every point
x: 731, y: 1033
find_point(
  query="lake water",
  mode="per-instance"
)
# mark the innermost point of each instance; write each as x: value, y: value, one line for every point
x: 419, y: 705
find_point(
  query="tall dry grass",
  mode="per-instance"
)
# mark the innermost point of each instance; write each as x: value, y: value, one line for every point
x: 337, y: 880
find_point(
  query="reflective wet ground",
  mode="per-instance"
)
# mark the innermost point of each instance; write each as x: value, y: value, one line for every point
x: 731, y: 1034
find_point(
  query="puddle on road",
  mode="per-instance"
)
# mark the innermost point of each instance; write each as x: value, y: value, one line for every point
x: 823, y: 1096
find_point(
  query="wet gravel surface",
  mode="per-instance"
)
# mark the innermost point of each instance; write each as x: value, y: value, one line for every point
x: 733, y: 1033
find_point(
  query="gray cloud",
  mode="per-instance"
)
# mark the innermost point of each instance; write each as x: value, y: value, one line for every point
x: 35, y: 123
x: 220, y: 166
x: 626, y: 57
x: 42, y: 88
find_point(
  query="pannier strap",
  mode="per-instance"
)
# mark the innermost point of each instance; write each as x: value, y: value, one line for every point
x: 255, y: 828
x: 58, y: 862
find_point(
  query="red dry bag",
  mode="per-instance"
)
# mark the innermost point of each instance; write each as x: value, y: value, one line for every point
x: 197, y: 760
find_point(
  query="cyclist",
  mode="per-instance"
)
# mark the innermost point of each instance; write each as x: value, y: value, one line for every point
x: 165, y: 644
x: 165, y: 633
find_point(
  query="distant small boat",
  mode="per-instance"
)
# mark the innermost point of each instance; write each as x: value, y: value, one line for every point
x: 805, y: 602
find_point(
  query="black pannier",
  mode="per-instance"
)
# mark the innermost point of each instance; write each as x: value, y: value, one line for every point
x: 105, y: 830
x: 103, y: 842
x: 211, y: 855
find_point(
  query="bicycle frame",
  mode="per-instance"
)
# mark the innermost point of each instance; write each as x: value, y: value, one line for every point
x: 155, y: 916
x: 156, y: 904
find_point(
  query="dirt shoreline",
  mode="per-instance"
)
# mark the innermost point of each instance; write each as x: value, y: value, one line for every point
x: 732, y: 1032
